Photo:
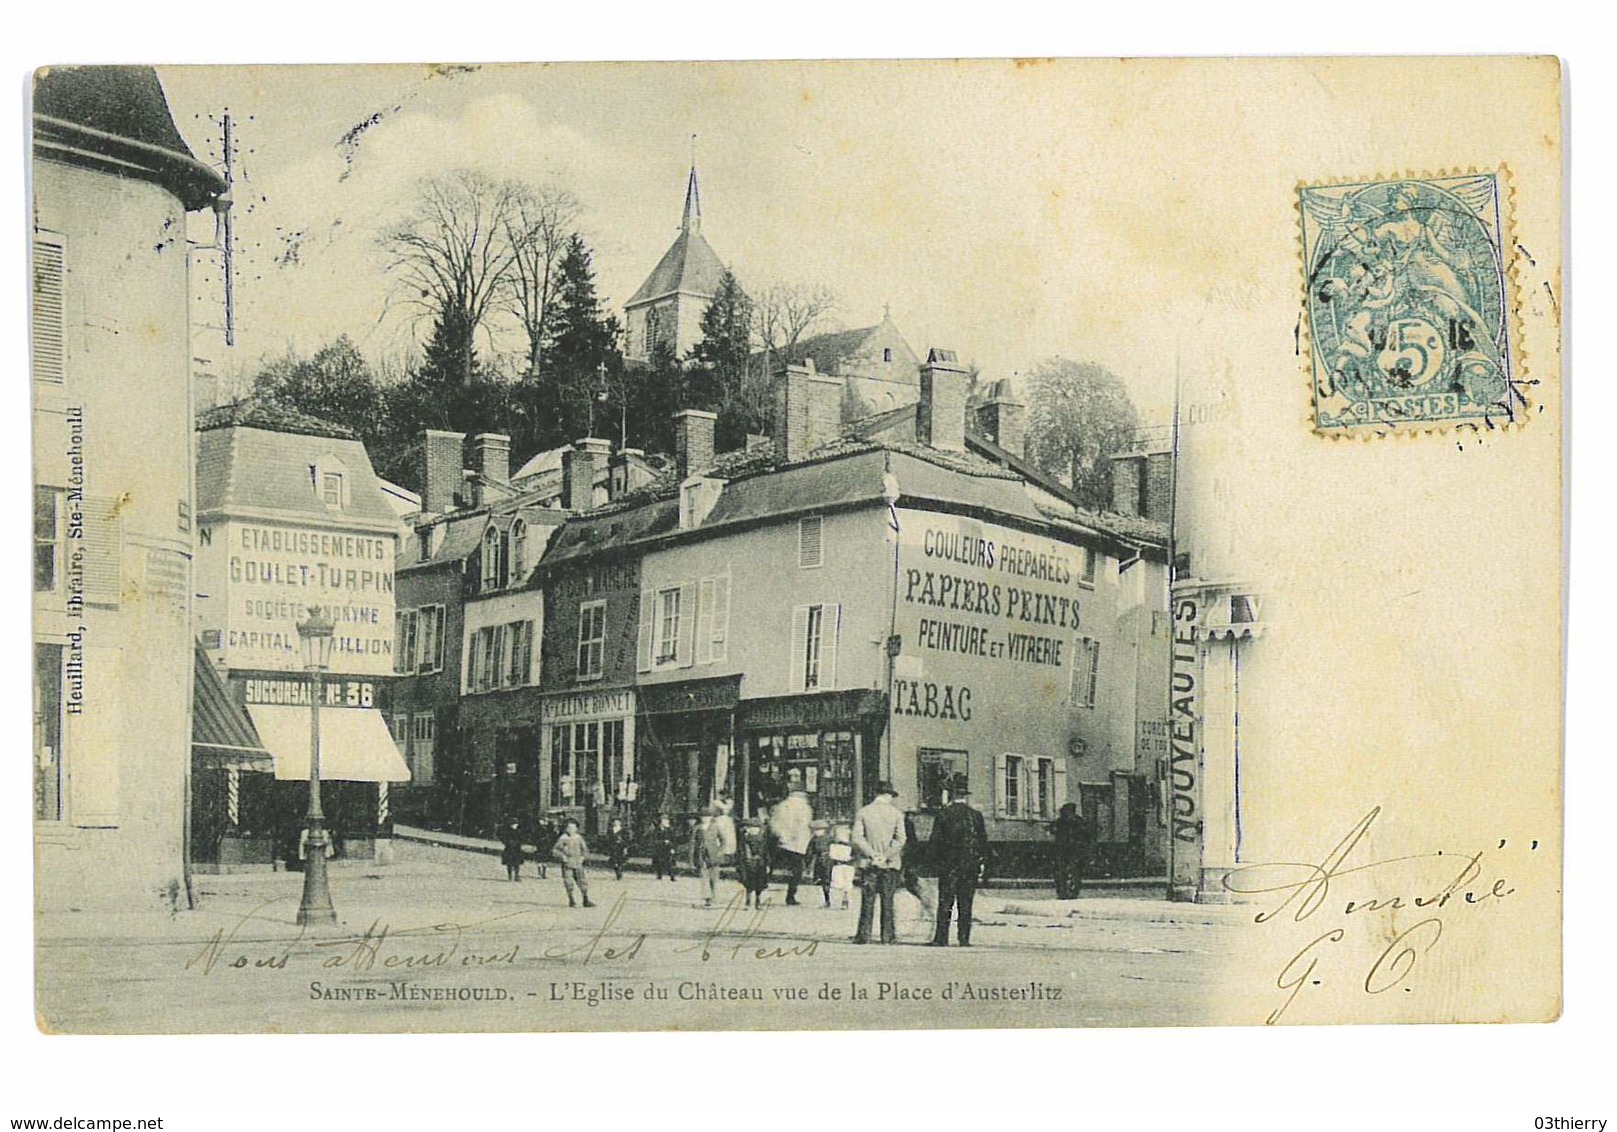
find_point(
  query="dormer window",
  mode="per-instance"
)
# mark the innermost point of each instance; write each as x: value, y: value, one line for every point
x: 496, y: 559
x: 519, y: 552
x: 697, y: 497
x: 329, y: 478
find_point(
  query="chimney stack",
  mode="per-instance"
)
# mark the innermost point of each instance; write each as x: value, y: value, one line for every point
x: 693, y: 441
x: 580, y: 467
x: 808, y: 411
x: 940, y: 419
x: 1001, y: 418
x: 1127, y: 493
x: 491, y: 456
x: 440, y: 470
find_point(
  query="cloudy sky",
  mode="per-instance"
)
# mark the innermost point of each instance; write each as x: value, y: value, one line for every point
x: 1008, y: 212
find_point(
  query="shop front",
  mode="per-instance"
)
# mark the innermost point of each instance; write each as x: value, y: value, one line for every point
x: 358, y: 763
x: 588, y: 748
x: 687, y: 740
x: 826, y: 745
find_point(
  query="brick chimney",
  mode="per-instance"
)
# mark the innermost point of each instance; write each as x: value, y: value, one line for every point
x: 693, y: 441
x: 1002, y: 418
x: 1127, y: 496
x: 440, y: 470
x: 581, y: 466
x: 491, y: 456
x: 808, y: 410
x: 940, y: 418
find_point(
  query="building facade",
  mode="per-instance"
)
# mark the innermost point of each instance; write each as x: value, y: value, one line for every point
x: 290, y: 518
x: 113, y: 500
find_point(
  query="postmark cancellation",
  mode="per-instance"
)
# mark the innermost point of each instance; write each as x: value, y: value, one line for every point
x: 1407, y: 304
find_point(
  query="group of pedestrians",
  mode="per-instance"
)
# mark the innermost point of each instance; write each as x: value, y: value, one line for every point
x: 879, y: 854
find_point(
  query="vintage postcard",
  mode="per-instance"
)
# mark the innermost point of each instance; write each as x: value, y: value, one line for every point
x: 928, y: 544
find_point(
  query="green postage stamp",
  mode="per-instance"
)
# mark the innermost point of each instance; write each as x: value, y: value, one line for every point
x: 1407, y: 305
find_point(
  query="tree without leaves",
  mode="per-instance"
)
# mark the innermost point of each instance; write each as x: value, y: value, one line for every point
x: 450, y: 257
x: 538, y: 226
x: 786, y: 313
x: 1080, y: 415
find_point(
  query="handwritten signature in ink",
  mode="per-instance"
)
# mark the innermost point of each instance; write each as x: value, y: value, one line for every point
x: 1305, y: 889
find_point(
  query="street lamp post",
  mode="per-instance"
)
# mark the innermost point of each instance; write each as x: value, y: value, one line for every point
x: 316, y: 634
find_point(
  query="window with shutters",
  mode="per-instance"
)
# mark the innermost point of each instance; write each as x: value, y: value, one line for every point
x: 1085, y: 671
x: 47, y: 539
x: 810, y: 542
x: 47, y: 732
x: 668, y: 614
x: 941, y: 776
x: 1044, y: 788
x: 1011, y: 796
x: 811, y: 655
x: 815, y: 630
x: 519, y: 646
x: 405, y: 633
x: 714, y: 627
x: 429, y: 639
x: 49, y: 312
x: 591, y: 639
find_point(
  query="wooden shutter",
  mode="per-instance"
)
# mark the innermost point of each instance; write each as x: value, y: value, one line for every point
x: 93, y: 739
x: 797, y: 659
x: 685, y: 648
x: 830, y: 634
x: 1029, y: 791
x: 437, y: 658
x: 999, y: 786
x: 810, y: 544
x: 103, y: 549
x: 50, y: 355
x: 704, y: 624
x: 719, y: 640
x: 1060, y: 789
x: 647, y: 625
x: 1094, y: 673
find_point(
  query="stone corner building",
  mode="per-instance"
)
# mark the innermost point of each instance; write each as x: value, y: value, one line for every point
x: 112, y: 566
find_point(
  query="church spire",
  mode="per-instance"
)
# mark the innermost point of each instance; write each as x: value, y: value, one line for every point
x: 693, y: 200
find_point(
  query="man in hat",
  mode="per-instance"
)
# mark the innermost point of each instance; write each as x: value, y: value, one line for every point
x: 959, y: 848
x: 878, y: 838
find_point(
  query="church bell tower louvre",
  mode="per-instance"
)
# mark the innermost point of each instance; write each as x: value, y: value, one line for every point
x: 669, y: 305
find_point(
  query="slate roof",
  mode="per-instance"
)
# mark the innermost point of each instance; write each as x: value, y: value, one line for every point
x: 690, y: 266
x: 247, y: 468
x: 121, y: 114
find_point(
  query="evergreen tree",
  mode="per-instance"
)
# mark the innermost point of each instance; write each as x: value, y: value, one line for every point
x: 718, y: 363
x: 335, y: 384
x: 581, y: 356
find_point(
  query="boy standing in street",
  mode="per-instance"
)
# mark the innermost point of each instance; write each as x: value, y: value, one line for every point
x: 571, y: 850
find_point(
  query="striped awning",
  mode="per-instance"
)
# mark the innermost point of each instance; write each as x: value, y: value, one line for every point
x: 222, y: 735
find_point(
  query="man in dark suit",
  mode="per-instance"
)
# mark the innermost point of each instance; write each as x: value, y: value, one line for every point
x: 959, y: 848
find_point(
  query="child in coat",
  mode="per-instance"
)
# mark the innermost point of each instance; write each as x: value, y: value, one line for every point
x: 818, y: 865
x: 752, y: 863
x: 511, y: 850
x: 571, y: 851
x: 617, y: 847
x: 664, y: 844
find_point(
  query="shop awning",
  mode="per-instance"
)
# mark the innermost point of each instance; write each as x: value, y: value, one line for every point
x: 222, y: 736
x: 354, y: 743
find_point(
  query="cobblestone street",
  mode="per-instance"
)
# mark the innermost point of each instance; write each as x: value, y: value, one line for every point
x: 439, y: 940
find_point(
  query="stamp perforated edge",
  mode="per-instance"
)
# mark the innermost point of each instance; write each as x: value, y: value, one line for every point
x: 1520, y: 381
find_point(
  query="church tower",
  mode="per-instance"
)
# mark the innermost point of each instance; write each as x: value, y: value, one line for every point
x: 669, y: 305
